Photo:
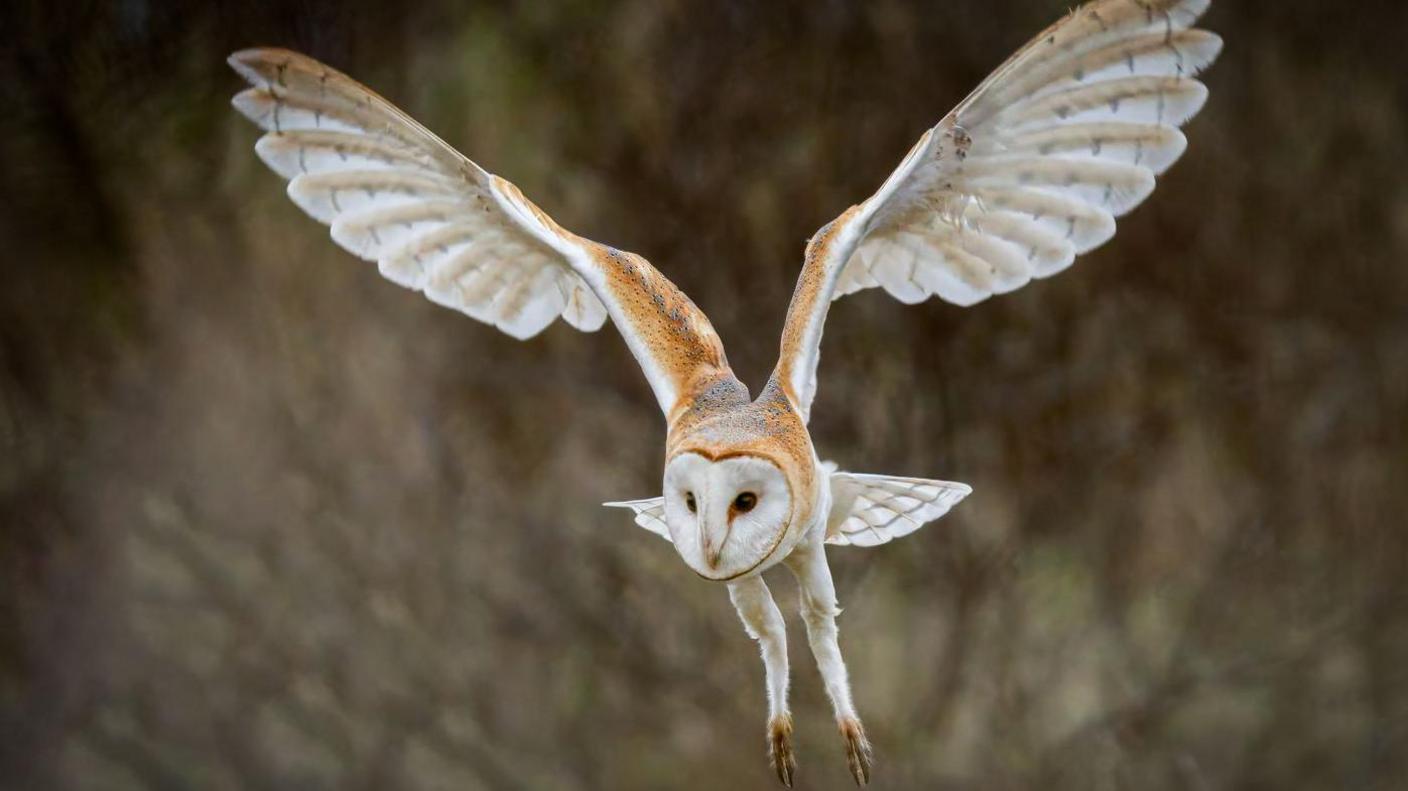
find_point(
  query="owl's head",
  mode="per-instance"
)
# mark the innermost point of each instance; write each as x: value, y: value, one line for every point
x: 727, y: 516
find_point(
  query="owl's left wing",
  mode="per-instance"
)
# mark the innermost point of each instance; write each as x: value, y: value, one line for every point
x: 650, y: 514
x: 437, y: 223
x: 1027, y: 172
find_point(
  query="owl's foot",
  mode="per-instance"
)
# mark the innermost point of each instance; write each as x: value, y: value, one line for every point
x: 857, y: 749
x: 780, y: 748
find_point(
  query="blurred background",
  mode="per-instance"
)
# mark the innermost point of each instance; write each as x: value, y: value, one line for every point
x: 270, y: 522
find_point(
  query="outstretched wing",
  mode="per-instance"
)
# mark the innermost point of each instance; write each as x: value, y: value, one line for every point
x: 868, y: 510
x: 1027, y: 172
x: 436, y: 222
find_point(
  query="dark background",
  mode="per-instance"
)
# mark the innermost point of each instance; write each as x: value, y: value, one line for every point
x: 270, y: 522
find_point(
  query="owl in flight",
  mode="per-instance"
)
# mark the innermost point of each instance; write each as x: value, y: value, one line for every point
x: 1026, y: 173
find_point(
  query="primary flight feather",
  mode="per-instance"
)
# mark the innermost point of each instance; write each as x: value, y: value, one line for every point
x: 1028, y: 172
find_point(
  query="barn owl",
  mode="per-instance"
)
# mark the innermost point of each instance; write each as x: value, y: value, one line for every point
x: 1025, y: 174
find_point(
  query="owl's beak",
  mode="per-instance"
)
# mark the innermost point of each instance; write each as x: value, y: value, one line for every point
x: 711, y: 555
x: 710, y: 546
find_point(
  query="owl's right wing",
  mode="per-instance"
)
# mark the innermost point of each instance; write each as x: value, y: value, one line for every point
x: 437, y: 223
x: 869, y: 510
x: 1025, y: 174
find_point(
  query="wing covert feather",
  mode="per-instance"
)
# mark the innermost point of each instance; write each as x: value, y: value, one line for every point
x: 869, y: 510
x: 649, y: 514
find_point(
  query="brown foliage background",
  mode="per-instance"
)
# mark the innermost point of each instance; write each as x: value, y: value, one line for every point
x: 267, y: 521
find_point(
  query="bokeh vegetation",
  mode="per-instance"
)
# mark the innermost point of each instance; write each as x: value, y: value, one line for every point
x: 267, y: 521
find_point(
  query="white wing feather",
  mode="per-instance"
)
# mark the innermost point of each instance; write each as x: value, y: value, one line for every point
x: 1026, y: 173
x: 650, y: 514
x: 436, y: 222
x: 396, y: 194
x: 869, y: 510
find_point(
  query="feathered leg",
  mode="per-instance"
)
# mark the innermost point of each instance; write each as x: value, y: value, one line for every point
x: 819, y: 610
x: 763, y: 621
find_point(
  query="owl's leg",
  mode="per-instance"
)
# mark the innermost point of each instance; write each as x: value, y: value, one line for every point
x: 763, y: 621
x: 819, y: 610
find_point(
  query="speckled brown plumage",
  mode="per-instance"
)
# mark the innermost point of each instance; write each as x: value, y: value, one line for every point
x: 806, y: 314
x: 720, y: 421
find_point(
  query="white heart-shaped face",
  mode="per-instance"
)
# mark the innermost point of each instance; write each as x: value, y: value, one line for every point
x: 727, y: 517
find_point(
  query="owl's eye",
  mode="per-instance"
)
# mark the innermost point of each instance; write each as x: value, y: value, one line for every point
x: 689, y: 501
x: 744, y: 502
